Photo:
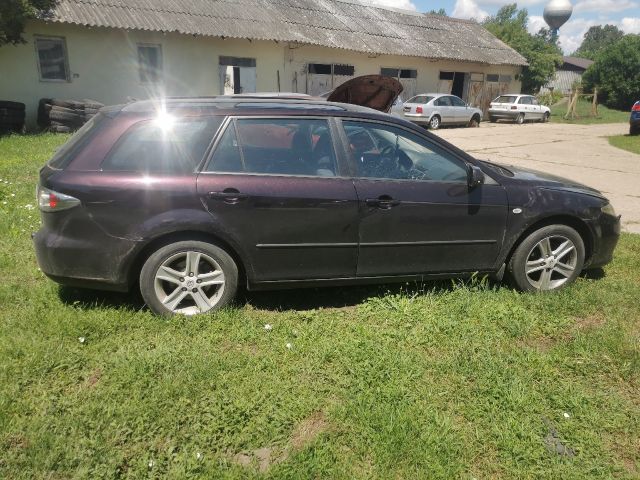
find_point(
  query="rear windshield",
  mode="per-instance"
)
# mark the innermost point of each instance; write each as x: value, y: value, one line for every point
x: 505, y: 99
x: 420, y: 99
x: 63, y: 156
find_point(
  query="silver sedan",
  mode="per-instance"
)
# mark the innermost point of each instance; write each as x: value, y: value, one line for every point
x: 436, y: 109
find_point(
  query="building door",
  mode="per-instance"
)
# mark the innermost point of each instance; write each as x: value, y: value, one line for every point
x: 324, y: 77
x: 476, y: 90
x: 237, y: 75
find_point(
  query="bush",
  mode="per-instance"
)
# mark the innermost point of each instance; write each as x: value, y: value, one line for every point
x: 549, y: 98
x: 615, y: 73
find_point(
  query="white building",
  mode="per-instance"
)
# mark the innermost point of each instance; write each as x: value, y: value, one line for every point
x: 110, y: 51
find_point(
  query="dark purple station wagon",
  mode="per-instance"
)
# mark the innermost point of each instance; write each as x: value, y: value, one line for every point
x: 189, y: 198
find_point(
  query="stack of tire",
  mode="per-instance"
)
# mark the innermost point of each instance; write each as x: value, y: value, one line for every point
x: 64, y: 116
x: 11, y: 116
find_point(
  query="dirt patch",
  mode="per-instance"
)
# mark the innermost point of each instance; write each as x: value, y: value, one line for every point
x: 94, y: 378
x: 541, y: 344
x: 16, y: 442
x: 590, y: 322
x: 303, y: 435
x: 308, y: 430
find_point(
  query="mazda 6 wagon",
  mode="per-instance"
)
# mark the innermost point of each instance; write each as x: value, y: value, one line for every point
x: 192, y: 198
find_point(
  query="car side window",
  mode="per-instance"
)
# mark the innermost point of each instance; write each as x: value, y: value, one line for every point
x: 276, y: 146
x: 443, y: 102
x: 524, y: 101
x: 534, y: 101
x: 387, y: 152
x: 175, y: 146
x: 457, y: 102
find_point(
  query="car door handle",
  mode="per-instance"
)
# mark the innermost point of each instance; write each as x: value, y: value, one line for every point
x: 228, y: 195
x: 383, y: 202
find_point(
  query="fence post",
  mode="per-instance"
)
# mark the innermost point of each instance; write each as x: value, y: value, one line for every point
x: 594, y: 105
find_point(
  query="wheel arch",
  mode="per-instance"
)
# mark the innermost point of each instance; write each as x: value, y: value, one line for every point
x: 139, y: 258
x: 570, y: 221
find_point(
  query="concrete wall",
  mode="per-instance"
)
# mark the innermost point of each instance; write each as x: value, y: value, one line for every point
x: 103, y: 65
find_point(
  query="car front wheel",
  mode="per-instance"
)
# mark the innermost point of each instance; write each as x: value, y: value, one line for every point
x: 188, y: 278
x: 548, y: 259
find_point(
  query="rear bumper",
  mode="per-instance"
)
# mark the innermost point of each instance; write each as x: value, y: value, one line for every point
x: 508, y: 114
x: 417, y: 118
x: 101, y: 265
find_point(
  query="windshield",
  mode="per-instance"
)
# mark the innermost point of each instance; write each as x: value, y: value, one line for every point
x: 505, y: 99
x: 420, y: 99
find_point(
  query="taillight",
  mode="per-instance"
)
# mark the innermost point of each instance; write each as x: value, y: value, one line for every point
x: 50, y: 201
x: 636, y: 107
x: 514, y: 107
x: 418, y: 109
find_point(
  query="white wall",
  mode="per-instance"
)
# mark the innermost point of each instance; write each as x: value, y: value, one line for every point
x: 103, y: 65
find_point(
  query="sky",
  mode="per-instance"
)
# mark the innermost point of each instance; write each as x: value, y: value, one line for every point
x: 625, y: 14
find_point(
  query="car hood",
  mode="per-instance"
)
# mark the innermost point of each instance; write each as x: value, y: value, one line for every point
x: 542, y: 179
x: 373, y: 91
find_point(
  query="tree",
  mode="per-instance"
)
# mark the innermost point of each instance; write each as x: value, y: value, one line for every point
x: 596, y: 39
x: 541, y: 52
x: 14, y: 15
x: 442, y: 12
x: 615, y: 73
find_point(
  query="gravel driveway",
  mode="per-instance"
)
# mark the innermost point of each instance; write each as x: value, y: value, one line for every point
x: 579, y: 152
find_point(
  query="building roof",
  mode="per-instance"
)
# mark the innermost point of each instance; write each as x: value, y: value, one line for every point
x: 582, y: 63
x: 345, y: 24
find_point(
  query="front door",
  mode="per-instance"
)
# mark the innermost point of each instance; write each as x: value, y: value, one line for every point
x: 417, y: 214
x: 275, y: 186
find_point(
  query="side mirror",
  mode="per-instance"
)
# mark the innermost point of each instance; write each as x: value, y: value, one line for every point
x: 475, y: 176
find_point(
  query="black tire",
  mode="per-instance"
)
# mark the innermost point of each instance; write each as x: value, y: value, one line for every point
x: 634, y: 130
x: 150, y: 290
x: 11, y: 117
x: 435, y: 122
x: 61, y: 129
x: 474, y: 122
x: 66, y: 118
x: 519, y: 119
x: 493, y: 119
x: 528, y: 251
x: 12, y: 105
x: 545, y: 118
x: 71, y: 104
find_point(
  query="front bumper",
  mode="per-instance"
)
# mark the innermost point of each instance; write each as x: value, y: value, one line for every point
x: 606, y: 230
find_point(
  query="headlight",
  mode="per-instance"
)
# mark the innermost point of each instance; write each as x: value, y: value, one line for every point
x: 609, y: 210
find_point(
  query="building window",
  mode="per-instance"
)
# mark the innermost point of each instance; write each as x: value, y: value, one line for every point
x: 53, y: 63
x: 150, y: 63
x: 329, y: 69
x: 493, y: 78
x: 398, y: 73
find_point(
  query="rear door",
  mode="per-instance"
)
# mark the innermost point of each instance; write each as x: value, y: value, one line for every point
x: 276, y: 186
x: 417, y: 214
x: 443, y: 106
x: 460, y: 111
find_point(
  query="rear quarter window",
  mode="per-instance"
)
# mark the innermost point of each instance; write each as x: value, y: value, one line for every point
x: 153, y: 147
x: 67, y: 152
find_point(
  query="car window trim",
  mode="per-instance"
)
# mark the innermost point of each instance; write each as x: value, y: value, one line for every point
x: 231, y: 119
x: 347, y: 153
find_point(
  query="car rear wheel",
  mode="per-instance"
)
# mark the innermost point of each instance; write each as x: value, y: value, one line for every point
x: 188, y: 278
x: 520, y: 119
x: 434, y: 123
x: 493, y: 119
x: 549, y: 259
x: 474, y: 122
x: 634, y: 130
x: 545, y: 117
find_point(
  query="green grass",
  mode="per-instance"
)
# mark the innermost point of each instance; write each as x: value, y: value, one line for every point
x: 583, y: 110
x: 433, y: 381
x: 626, y: 142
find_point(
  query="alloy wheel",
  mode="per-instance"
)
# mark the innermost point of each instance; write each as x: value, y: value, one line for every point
x: 189, y: 283
x: 551, y: 263
x: 435, y: 123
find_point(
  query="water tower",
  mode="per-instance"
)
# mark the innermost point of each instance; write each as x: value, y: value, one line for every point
x: 556, y: 14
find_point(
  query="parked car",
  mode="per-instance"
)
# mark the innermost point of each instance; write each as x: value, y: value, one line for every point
x: 191, y: 198
x: 634, y: 121
x: 436, y: 109
x: 518, y: 108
